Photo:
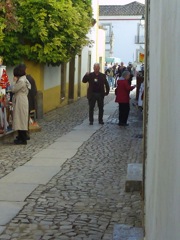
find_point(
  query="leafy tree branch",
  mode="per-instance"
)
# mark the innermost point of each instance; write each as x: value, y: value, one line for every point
x: 48, y: 31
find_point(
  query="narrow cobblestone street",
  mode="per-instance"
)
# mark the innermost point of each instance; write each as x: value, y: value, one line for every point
x: 87, y: 196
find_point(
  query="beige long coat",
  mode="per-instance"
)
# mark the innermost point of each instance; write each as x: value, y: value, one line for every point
x: 20, y: 103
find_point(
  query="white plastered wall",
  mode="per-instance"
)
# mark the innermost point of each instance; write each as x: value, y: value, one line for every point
x: 125, y: 30
x: 162, y: 183
x: 101, y: 47
x: 52, y: 76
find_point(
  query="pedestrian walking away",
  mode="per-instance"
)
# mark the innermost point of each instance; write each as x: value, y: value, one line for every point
x: 121, y: 69
x: 122, y: 97
x: 110, y: 77
x: 97, y: 89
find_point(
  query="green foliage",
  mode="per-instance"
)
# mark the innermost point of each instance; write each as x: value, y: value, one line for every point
x: 48, y: 31
x: 2, y: 21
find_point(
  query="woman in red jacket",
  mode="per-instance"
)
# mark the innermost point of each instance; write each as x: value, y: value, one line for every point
x: 122, y: 97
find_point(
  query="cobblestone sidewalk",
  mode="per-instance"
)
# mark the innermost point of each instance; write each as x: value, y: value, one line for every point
x: 86, y: 198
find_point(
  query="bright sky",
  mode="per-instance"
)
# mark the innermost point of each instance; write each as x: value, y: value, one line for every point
x: 118, y: 2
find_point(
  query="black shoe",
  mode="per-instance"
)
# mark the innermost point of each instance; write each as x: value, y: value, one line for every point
x: 123, y: 124
x: 91, y: 123
x: 18, y: 141
x: 27, y: 137
x: 101, y: 122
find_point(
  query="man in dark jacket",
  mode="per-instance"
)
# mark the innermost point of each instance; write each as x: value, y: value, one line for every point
x: 97, y: 89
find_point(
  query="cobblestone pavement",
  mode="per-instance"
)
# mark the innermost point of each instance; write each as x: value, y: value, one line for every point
x: 86, y: 198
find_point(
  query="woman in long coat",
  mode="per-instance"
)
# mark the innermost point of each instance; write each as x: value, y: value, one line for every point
x: 20, y: 104
x: 31, y: 96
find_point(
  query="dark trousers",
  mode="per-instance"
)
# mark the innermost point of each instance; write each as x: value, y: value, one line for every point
x: 96, y: 97
x: 124, y: 109
x: 22, y: 135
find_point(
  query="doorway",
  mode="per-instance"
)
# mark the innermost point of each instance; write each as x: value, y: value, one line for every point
x: 89, y: 62
x: 79, y: 76
x: 71, y: 79
x: 63, y: 81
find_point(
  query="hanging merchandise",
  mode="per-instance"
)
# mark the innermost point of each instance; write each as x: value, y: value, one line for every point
x: 4, y: 82
x: 5, y: 104
x: 6, y: 124
x: 1, y: 118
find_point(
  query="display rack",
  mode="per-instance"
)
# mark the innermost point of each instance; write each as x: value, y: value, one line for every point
x: 6, y: 108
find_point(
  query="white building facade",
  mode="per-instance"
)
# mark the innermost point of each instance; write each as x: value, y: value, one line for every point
x: 162, y: 117
x: 124, y: 31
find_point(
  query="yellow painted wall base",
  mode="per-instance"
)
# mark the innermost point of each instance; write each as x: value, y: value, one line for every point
x: 37, y: 72
x: 51, y: 99
x: 84, y: 89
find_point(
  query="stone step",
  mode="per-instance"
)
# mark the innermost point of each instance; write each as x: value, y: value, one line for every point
x: 126, y: 232
x: 134, y: 177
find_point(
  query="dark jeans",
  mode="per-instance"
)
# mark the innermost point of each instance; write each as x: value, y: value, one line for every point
x: 124, y: 109
x: 96, y: 97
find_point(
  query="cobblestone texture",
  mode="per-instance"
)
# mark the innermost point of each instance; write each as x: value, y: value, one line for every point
x: 86, y: 198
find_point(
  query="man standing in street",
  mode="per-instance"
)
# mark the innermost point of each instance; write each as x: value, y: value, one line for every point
x: 97, y: 89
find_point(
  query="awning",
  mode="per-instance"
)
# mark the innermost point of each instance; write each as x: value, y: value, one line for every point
x: 112, y: 60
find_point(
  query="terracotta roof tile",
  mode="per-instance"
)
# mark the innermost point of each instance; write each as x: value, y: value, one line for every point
x: 131, y: 9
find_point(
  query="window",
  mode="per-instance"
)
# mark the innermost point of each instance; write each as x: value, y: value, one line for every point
x: 140, y: 38
x: 108, y: 29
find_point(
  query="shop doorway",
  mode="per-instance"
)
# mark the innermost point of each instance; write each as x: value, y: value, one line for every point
x: 63, y: 81
x: 71, y: 79
x: 89, y: 62
x: 79, y: 76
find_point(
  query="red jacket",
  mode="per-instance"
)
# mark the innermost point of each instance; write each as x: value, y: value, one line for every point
x: 122, y: 91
